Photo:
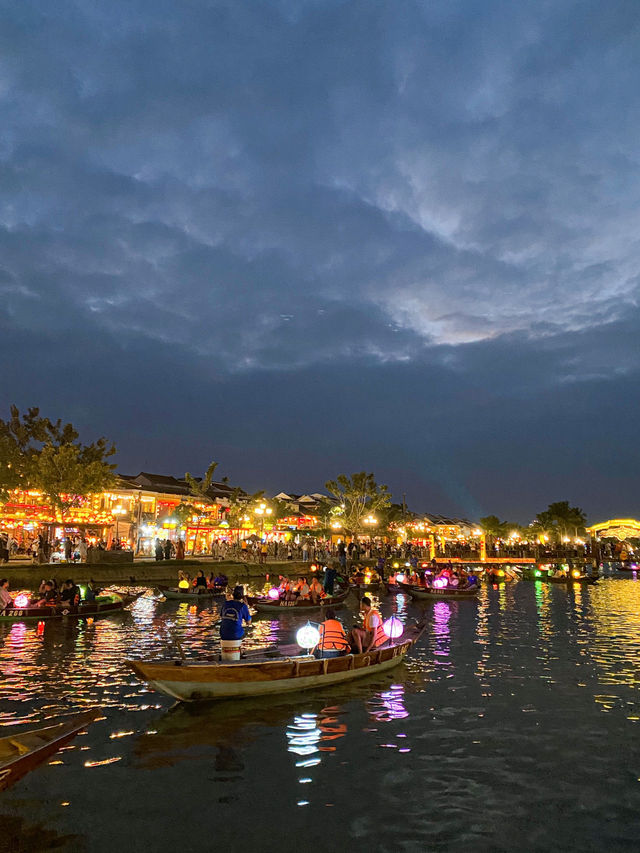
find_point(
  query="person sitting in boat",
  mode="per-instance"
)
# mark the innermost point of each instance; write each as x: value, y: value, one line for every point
x: 559, y: 573
x: 472, y: 579
x: 90, y: 591
x: 303, y: 589
x: 357, y: 576
x: 316, y: 591
x: 5, y: 598
x: 374, y: 577
x: 70, y: 594
x: 49, y: 595
x: 372, y: 632
x: 221, y: 581
x: 200, y: 582
x: 333, y: 641
x: 234, y: 614
x: 454, y: 581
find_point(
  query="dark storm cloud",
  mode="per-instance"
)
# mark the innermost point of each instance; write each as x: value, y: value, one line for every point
x: 261, y: 190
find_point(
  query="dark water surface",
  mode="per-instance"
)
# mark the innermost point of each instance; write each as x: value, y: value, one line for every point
x: 513, y: 726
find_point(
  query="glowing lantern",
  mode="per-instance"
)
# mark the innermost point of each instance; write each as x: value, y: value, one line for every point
x: 396, y: 565
x: 538, y: 573
x: 440, y: 583
x: 21, y: 601
x: 183, y: 584
x: 40, y: 628
x: 400, y: 578
x: 393, y: 628
x: 308, y: 636
x: 274, y: 593
x: 424, y: 565
x: 575, y: 573
x: 501, y: 573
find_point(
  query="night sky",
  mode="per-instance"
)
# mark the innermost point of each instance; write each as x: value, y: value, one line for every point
x: 303, y: 237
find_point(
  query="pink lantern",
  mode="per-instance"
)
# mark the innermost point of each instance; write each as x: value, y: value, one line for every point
x: 440, y: 583
x: 393, y: 628
x: 21, y: 601
x: 274, y: 593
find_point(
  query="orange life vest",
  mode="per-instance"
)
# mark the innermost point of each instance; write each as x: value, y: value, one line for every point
x: 317, y: 588
x: 379, y: 635
x: 332, y: 636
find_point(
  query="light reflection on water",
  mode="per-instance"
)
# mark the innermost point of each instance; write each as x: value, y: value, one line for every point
x: 523, y: 703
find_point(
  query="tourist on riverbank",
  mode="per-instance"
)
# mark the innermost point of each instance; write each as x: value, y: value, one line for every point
x: 180, y: 549
x: 159, y: 549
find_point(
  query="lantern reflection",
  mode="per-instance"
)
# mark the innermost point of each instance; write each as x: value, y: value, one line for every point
x: 388, y: 705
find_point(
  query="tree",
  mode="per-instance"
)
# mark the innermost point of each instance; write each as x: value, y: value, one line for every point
x: 560, y: 520
x: 359, y: 496
x: 46, y: 455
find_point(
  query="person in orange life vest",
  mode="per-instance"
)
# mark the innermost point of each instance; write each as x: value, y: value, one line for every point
x: 333, y: 641
x: 372, y: 633
x: 316, y: 590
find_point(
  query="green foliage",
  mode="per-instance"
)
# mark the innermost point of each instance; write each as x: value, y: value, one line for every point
x: 560, y: 520
x: 359, y: 495
x: 38, y: 453
x: 201, y: 487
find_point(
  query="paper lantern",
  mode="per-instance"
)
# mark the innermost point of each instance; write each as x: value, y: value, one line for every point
x: 308, y: 636
x: 184, y: 584
x: 274, y: 593
x: 21, y: 601
x: 440, y: 583
x: 400, y: 578
x: 393, y: 628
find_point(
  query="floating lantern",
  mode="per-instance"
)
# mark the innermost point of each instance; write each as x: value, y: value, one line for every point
x: 21, y: 601
x: 308, y: 636
x: 274, y: 593
x: 400, y: 578
x: 440, y: 583
x: 393, y: 628
x: 40, y: 628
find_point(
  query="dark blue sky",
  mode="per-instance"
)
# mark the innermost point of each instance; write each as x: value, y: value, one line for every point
x: 307, y: 236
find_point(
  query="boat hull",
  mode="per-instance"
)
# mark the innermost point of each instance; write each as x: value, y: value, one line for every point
x: 425, y: 594
x: 81, y: 611
x: 208, y: 681
x: 24, y: 751
x: 177, y: 595
x: 296, y: 606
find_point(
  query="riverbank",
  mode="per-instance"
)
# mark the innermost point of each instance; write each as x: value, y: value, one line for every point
x: 29, y: 575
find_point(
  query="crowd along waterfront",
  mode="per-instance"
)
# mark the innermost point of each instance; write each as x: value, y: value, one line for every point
x: 512, y: 723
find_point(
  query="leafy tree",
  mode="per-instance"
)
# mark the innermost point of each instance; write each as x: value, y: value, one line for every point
x: 560, y: 520
x: 359, y: 496
x: 493, y: 527
x: 46, y: 455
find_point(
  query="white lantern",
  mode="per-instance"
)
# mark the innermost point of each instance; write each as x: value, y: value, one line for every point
x: 308, y: 636
x: 393, y: 628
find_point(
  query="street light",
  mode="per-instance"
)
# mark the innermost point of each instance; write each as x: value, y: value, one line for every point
x: 117, y: 511
x: 262, y: 510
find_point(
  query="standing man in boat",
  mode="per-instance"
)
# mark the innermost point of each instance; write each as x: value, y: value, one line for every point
x: 233, y: 614
x: 372, y: 632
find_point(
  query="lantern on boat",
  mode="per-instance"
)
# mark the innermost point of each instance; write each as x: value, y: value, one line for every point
x: 396, y: 565
x: 274, y: 593
x: 308, y: 636
x: 537, y: 573
x: 393, y: 628
x: 575, y: 573
x: 183, y: 584
x: 440, y: 583
x: 21, y: 601
x: 500, y: 573
x: 400, y: 578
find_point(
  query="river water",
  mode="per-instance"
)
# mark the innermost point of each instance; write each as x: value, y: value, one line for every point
x: 514, y: 725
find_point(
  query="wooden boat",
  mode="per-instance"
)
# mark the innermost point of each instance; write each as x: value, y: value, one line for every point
x: 364, y: 587
x: 427, y: 593
x: 24, y: 750
x: 102, y: 606
x: 268, y: 605
x: 190, y: 682
x: 588, y: 579
x: 392, y: 588
x: 173, y: 594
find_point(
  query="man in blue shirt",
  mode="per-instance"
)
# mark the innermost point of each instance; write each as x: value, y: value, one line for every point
x: 233, y: 614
